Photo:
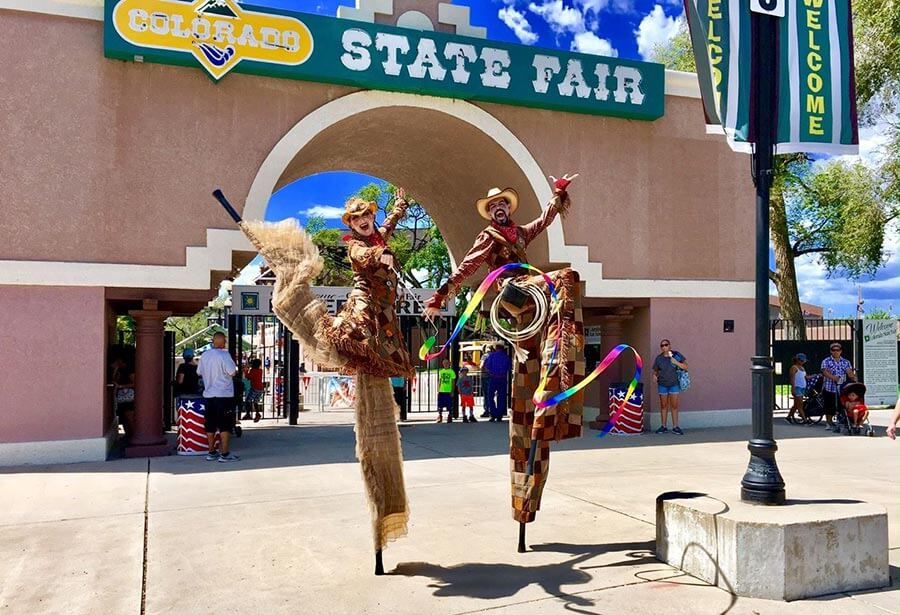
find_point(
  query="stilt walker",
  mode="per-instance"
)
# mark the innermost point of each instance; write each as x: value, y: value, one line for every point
x: 524, y: 299
x: 363, y: 339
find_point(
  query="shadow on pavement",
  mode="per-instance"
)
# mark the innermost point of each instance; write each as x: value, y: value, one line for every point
x: 496, y: 581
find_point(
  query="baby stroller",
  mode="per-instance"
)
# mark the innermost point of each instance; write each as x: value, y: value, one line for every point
x: 843, y: 418
x: 814, y: 404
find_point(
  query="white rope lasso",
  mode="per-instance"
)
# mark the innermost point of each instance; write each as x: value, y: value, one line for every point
x: 519, y: 335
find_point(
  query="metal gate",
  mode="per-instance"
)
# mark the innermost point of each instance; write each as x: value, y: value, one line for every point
x: 266, y: 339
x: 786, y: 342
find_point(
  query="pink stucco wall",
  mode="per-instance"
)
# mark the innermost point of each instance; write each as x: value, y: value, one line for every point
x: 719, y: 362
x: 52, y: 349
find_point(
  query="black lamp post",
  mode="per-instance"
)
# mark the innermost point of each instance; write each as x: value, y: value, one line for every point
x: 762, y: 483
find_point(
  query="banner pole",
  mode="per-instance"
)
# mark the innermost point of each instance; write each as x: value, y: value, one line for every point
x: 762, y: 483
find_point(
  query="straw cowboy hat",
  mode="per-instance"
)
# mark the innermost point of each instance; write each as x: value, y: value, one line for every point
x: 357, y: 207
x: 493, y: 194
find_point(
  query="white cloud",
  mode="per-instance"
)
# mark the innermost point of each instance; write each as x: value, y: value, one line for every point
x: 872, y: 140
x: 655, y: 29
x: 559, y: 17
x: 839, y: 293
x: 595, y: 6
x: 329, y: 212
x: 516, y: 21
x: 588, y: 42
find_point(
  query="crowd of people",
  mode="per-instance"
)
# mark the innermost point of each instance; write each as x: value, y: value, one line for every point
x: 496, y: 367
x: 834, y: 392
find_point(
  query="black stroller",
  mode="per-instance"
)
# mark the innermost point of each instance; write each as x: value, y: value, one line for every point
x: 814, y: 404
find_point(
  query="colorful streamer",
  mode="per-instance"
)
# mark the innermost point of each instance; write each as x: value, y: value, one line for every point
x: 601, y: 367
x: 425, y: 353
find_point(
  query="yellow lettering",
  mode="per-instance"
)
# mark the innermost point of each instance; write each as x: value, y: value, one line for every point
x: 713, y: 11
x: 816, y: 4
x: 812, y: 20
x: 712, y: 36
x: 815, y: 104
x: 814, y: 60
x: 717, y: 76
x: 812, y: 41
x: 815, y: 125
x: 814, y: 82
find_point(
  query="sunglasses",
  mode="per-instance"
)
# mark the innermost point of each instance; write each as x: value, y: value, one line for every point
x: 836, y: 348
x: 663, y: 345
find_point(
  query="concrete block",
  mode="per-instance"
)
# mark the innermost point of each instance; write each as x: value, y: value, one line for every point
x: 799, y: 550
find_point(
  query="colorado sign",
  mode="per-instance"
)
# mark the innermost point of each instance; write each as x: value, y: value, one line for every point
x: 218, y: 33
x: 223, y: 36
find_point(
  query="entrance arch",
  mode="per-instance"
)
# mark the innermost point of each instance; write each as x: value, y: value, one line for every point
x: 403, y: 138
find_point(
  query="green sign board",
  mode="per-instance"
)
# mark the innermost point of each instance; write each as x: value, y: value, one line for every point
x: 223, y: 36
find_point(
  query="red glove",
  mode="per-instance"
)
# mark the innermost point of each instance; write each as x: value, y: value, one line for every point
x: 561, y: 184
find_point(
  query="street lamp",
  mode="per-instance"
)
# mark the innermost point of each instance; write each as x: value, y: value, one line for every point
x: 762, y: 482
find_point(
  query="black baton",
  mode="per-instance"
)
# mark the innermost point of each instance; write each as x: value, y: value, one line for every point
x: 231, y: 211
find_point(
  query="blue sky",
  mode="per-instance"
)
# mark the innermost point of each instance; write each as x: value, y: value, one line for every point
x: 622, y: 28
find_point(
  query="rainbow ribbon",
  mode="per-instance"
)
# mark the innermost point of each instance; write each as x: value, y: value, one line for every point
x: 601, y: 367
x: 425, y: 353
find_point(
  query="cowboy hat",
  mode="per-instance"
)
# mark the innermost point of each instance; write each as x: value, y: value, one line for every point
x: 357, y: 207
x: 493, y: 194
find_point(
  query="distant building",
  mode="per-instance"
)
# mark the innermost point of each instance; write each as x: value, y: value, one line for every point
x: 810, y: 311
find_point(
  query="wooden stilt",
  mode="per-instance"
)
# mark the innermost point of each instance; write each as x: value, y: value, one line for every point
x: 379, y: 563
x: 521, y: 538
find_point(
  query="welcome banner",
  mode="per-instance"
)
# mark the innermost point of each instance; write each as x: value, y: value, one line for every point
x: 816, y: 88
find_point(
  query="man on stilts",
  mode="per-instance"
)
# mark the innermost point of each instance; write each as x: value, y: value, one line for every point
x: 531, y: 430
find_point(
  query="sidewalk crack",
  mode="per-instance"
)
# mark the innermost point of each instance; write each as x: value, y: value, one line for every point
x: 146, y: 532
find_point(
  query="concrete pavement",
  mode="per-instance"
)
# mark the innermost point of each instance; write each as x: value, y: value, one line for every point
x: 286, y: 530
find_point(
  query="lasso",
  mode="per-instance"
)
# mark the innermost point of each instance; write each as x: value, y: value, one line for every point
x: 425, y: 353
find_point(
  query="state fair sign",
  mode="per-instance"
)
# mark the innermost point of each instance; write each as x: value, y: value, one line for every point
x: 222, y: 36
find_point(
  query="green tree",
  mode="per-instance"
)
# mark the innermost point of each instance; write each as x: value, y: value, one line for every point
x: 188, y: 326
x: 330, y: 242
x: 876, y: 33
x: 677, y: 53
x: 879, y: 314
x: 836, y: 210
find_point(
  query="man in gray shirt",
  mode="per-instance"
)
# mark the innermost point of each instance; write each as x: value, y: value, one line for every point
x: 217, y: 370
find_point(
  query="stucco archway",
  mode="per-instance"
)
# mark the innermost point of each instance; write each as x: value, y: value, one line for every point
x: 445, y: 152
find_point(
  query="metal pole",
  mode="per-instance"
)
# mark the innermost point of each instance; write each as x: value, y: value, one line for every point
x: 293, y: 379
x: 762, y: 483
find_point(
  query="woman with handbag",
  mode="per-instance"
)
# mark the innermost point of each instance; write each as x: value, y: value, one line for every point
x: 670, y: 368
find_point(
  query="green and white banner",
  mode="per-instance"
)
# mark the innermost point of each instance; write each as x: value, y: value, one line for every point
x: 225, y: 36
x: 816, y: 87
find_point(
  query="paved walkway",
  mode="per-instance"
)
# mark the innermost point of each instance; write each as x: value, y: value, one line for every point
x: 287, y: 531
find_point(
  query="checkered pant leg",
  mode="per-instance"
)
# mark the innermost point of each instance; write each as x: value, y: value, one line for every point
x: 526, y: 489
x: 563, y: 420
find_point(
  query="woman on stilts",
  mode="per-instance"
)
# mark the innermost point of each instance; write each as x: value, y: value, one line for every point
x: 363, y: 339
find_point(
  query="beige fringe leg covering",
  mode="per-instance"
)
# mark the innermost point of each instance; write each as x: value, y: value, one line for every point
x: 380, y: 457
x: 294, y: 258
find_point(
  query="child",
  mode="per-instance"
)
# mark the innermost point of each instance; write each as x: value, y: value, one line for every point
x: 446, y: 376
x: 255, y: 374
x: 855, y: 406
x: 466, y: 387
